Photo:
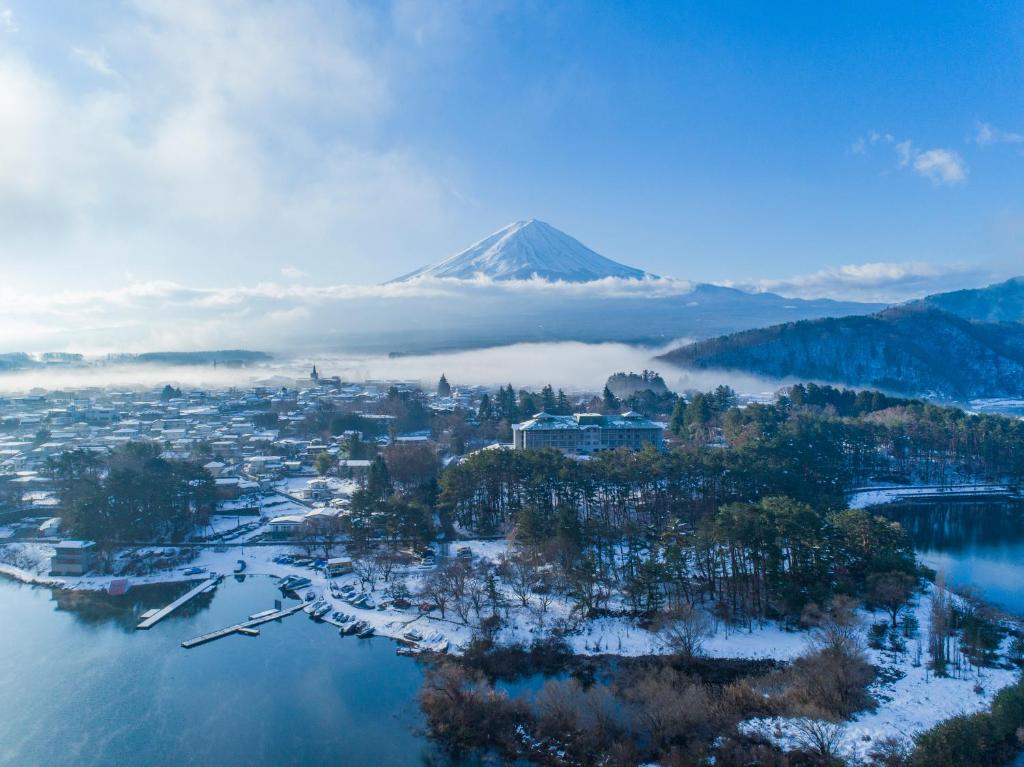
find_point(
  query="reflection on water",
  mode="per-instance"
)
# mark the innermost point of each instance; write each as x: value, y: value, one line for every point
x: 125, y: 611
x: 82, y: 687
x: 976, y: 544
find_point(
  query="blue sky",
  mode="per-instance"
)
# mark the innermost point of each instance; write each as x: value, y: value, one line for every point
x: 862, y: 150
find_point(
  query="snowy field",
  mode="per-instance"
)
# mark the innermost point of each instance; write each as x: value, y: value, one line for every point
x: 911, y: 704
x: 878, y: 496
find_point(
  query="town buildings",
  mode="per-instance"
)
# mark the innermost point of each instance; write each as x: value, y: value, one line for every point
x: 260, y: 445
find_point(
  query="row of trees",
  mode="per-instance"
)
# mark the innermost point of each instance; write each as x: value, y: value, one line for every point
x: 747, y: 562
x: 909, y: 439
x: 490, y: 490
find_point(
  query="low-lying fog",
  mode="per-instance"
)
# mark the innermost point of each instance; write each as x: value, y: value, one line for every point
x: 569, y: 365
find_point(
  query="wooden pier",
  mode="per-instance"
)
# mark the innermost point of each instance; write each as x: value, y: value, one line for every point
x: 246, y: 628
x: 151, y: 617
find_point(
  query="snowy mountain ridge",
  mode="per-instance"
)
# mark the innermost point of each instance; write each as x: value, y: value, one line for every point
x: 524, y: 250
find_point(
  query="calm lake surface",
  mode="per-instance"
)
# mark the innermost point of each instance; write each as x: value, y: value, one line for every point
x: 976, y: 544
x: 81, y: 687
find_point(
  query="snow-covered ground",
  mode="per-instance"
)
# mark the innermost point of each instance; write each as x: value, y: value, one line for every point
x: 878, y: 496
x: 913, y: 703
x: 27, y: 576
x: 225, y: 523
x: 297, y: 485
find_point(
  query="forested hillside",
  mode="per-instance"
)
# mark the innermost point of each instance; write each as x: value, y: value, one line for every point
x: 916, y: 350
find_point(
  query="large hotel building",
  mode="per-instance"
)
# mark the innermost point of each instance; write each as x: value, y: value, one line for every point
x: 587, y: 432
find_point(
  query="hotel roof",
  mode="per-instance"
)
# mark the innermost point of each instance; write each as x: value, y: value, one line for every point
x: 547, y: 422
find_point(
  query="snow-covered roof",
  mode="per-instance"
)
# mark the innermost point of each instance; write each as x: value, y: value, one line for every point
x: 288, y: 519
x: 546, y: 422
x: 76, y: 545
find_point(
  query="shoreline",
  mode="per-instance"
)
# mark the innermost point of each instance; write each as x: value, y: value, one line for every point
x: 19, y: 575
x: 910, y: 700
x: 882, y: 495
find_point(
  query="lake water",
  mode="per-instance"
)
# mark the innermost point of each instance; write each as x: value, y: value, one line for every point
x: 975, y: 544
x: 81, y: 687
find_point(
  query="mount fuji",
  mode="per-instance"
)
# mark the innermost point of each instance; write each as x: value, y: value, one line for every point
x: 525, y: 250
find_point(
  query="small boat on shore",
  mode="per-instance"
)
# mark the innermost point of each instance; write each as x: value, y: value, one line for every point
x: 354, y: 628
x: 294, y: 583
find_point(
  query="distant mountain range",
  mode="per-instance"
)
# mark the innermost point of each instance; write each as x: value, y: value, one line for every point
x: 932, y: 347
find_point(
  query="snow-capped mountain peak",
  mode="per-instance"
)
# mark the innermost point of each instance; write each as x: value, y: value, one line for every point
x: 524, y: 250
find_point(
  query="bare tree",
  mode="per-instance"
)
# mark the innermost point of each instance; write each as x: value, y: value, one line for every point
x: 890, y: 752
x: 685, y: 629
x: 387, y: 561
x: 558, y: 705
x: 476, y: 594
x: 437, y: 591
x: 330, y: 531
x: 892, y: 590
x: 668, y: 705
x: 367, y: 569
x: 520, y: 573
x: 542, y: 602
x: 455, y: 576
x: 836, y: 629
x: 819, y: 736
x: 940, y: 630
x: 306, y: 537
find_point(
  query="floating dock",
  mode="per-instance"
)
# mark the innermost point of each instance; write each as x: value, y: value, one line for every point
x: 152, y: 617
x: 246, y: 628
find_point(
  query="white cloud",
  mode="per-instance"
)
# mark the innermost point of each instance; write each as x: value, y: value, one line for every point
x: 905, y: 153
x: 292, y: 273
x: 883, y: 282
x: 7, y: 19
x: 987, y: 135
x: 152, y: 315
x: 95, y: 60
x: 222, y: 135
x: 940, y: 166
